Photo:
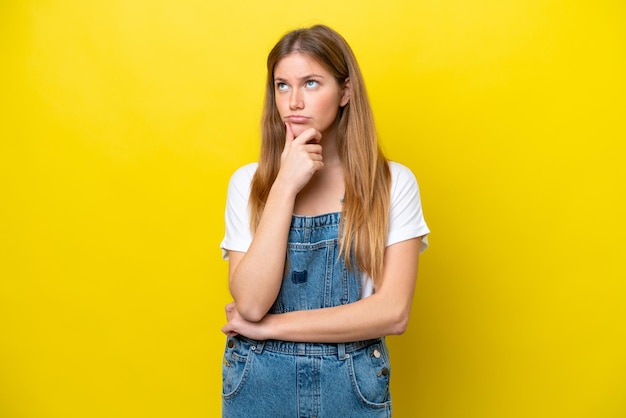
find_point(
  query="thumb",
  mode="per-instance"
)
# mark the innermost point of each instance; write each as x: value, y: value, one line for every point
x: 289, y: 136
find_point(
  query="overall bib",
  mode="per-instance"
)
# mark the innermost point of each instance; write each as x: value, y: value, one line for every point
x: 274, y: 379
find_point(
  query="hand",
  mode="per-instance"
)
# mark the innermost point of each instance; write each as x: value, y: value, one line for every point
x: 237, y: 325
x: 301, y: 157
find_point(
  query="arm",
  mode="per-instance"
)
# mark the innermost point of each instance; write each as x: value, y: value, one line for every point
x: 255, y: 276
x: 386, y: 312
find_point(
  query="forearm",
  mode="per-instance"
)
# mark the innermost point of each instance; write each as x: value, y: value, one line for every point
x: 372, y: 317
x: 255, y: 281
x: 386, y: 312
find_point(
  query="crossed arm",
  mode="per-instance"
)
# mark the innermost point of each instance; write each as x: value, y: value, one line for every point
x: 386, y: 312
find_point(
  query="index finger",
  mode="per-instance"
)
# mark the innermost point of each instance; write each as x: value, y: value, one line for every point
x: 310, y: 136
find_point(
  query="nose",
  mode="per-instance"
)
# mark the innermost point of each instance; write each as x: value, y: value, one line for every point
x: 296, y: 100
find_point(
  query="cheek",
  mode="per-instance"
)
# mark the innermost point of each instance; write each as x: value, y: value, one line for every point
x: 330, y: 109
x: 282, y: 105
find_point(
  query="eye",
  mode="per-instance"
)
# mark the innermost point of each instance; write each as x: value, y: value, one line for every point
x: 281, y: 86
x: 311, y: 83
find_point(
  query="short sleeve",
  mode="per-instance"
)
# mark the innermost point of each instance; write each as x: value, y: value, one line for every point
x: 406, y: 217
x: 237, y: 235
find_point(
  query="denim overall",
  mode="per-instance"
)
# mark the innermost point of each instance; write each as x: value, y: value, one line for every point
x: 273, y: 379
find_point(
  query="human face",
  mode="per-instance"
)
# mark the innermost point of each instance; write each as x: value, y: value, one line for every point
x: 307, y: 94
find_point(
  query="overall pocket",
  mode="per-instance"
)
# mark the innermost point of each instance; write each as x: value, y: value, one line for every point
x: 235, y: 366
x: 370, y: 373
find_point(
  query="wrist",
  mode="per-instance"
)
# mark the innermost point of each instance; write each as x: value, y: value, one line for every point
x: 282, y: 191
x: 269, y: 330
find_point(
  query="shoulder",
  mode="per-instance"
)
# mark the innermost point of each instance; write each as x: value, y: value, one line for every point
x: 242, y: 177
x: 400, y: 172
x: 406, y: 217
x: 245, y: 172
x: 401, y: 176
x: 240, y: 182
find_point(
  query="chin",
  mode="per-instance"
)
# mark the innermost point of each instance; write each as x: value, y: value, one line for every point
x: 298, y: 129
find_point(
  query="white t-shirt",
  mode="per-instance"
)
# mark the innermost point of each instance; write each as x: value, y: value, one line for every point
x: 406, y: 217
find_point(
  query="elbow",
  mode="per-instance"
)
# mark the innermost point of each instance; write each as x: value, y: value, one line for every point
x: 251, y: 312
x: 399, y: 323
x: 250, y: 308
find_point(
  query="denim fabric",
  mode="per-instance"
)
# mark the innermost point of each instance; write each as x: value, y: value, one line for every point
x: 297, y: 380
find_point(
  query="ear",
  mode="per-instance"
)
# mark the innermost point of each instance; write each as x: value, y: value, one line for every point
x: 345, y: 93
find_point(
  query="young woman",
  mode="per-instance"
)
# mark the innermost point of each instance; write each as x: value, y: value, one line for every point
x: 322, y: 236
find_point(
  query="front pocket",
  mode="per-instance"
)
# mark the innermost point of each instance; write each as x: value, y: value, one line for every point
x: 235, y: 366
x: 370, y: 373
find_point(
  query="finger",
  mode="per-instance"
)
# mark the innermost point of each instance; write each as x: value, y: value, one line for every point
x: 318, y: 165
x: 315, y: 157
x: 310, y: 136
x: 316, y: 139
x: 228, y: 332
x: 289, y: 136
x: 313, y: 148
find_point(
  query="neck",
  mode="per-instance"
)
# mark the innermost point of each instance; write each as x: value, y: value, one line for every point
x: 329, y: 145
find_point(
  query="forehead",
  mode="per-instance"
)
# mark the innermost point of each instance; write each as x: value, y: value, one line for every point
x: 297, y: 64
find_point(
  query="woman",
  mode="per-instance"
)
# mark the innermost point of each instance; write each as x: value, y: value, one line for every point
x: 322, y: 236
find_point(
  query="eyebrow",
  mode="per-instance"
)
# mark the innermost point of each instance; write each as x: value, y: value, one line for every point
x: 306, y: 77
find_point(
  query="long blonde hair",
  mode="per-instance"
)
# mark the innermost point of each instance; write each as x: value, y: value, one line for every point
x: 365, y: 214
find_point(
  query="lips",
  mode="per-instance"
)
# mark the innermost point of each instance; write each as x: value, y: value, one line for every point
x: 297, y: 119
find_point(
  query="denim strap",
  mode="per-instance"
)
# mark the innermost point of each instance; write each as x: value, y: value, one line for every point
x: 341, y: 351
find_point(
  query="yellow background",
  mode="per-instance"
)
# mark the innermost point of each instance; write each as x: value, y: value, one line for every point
x: 121, y: 122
